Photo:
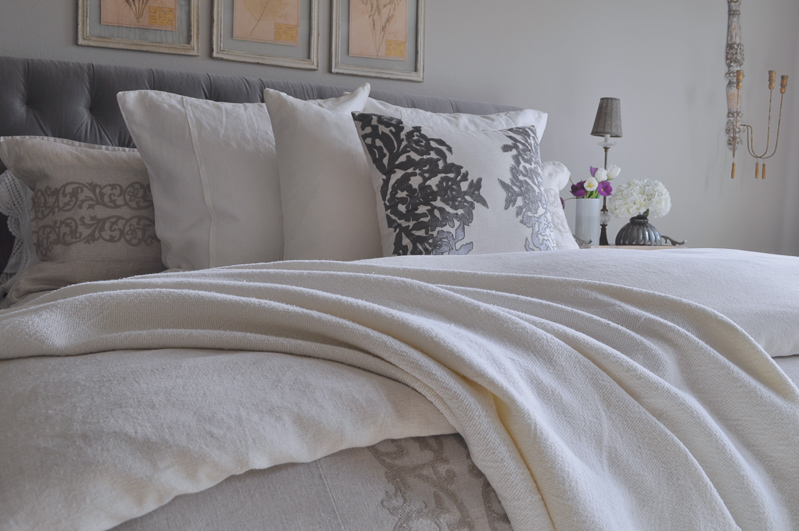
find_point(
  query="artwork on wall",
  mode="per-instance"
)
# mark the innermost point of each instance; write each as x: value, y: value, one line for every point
x: 167, y: 26
x: 379, y: 38
x: 272, y: 32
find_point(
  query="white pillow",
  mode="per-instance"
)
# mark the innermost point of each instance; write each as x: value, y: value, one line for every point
x: 555, y: 178
x: 552, y: 175
x: 464, y: 122
x: 325, y: 178
x: 447, y: 191
x: 328, y: 202
x: 214, y: 176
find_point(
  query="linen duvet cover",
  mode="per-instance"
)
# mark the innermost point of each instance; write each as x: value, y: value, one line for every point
x: 650, y: 397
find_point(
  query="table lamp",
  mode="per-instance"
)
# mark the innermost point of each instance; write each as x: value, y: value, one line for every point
x: 608, y: 125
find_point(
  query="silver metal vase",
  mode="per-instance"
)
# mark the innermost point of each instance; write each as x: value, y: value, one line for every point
x: 639, y: 232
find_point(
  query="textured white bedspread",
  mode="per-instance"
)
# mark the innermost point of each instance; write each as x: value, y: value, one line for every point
x: 587, y: 405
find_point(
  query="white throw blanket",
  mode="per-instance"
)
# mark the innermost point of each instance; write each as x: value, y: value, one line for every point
x: 588, y: 405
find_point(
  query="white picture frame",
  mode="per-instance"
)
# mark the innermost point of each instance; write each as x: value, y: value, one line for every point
x: 182, y: 38
x: 304, y: 55
x: 409, y: 69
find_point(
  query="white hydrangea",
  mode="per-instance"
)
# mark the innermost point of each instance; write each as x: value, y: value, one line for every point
x: 636, y: 197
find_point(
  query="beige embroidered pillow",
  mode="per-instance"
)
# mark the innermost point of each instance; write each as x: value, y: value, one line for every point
x: 91, y: 215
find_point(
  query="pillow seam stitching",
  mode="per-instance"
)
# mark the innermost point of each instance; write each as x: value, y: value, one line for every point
x: 203, y: 182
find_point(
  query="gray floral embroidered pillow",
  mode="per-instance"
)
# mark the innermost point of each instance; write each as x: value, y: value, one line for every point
x: 91, y: 212
x: 447, y: 191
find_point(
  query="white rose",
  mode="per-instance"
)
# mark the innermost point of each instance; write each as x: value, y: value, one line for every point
x: 591, y: 184
x: 601, y: 174
x: 613, y: 171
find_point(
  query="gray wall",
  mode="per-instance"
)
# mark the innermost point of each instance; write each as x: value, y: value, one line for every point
x: 664, y: 59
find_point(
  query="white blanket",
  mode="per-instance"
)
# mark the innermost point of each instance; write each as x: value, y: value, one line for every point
x: 587, y: 404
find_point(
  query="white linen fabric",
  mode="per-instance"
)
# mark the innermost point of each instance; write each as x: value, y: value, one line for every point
x: 214, y: 175
x: 445, y: 191
x: 790, y: 365
x: 461, y: 121
x: 175, y: 421
x: 555, y: 177
x: 328, y: 203
x: 424, y: 482
x: 759, y: 292
x: 588, y: 405
x: 15, y: 203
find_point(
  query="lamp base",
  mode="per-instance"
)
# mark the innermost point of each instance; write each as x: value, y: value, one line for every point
x: 603, y: 235
x: 604, y: 219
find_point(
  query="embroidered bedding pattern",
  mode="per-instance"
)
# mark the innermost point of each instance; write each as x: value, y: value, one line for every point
x: 524, y: 189
x: 90, y: 212
x: 440, y: 197
x: 425, y: 488
x: 429, y: 203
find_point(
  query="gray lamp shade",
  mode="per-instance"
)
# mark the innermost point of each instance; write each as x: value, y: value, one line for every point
x: 608, y: 118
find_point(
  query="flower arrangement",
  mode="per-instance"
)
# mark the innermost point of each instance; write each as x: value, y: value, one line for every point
x: 598, y: 185
x: 648, y: 198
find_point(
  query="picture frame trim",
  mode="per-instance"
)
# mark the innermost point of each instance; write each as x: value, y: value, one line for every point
x: 219, y: 52
x: 337, y: 67
x: 85, y: 38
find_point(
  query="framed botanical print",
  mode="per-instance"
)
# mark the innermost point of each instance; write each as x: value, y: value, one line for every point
x: 272, y: 32
x: 166, y: 26
x: 379, y: 38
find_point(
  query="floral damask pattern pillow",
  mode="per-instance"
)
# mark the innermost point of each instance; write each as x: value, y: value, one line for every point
x: 91, y: 214
x: 448, y: 191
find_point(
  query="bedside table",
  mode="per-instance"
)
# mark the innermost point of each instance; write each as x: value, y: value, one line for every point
x: 668, y: 243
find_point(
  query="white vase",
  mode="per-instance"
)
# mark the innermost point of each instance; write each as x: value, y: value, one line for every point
x: 587, y: 226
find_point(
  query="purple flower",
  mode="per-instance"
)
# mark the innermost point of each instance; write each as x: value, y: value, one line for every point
x: 563, y: 203
x: 592, y: 170
x: 578, y: 190
x: 605, y: 189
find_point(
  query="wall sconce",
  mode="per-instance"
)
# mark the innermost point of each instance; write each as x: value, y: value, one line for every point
x: 735, y: 128
x: 750, y: 135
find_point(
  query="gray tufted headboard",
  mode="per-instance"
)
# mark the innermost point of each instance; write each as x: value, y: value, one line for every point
x: 77, y: 101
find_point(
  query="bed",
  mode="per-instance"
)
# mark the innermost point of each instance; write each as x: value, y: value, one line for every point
x: 263, y: 361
